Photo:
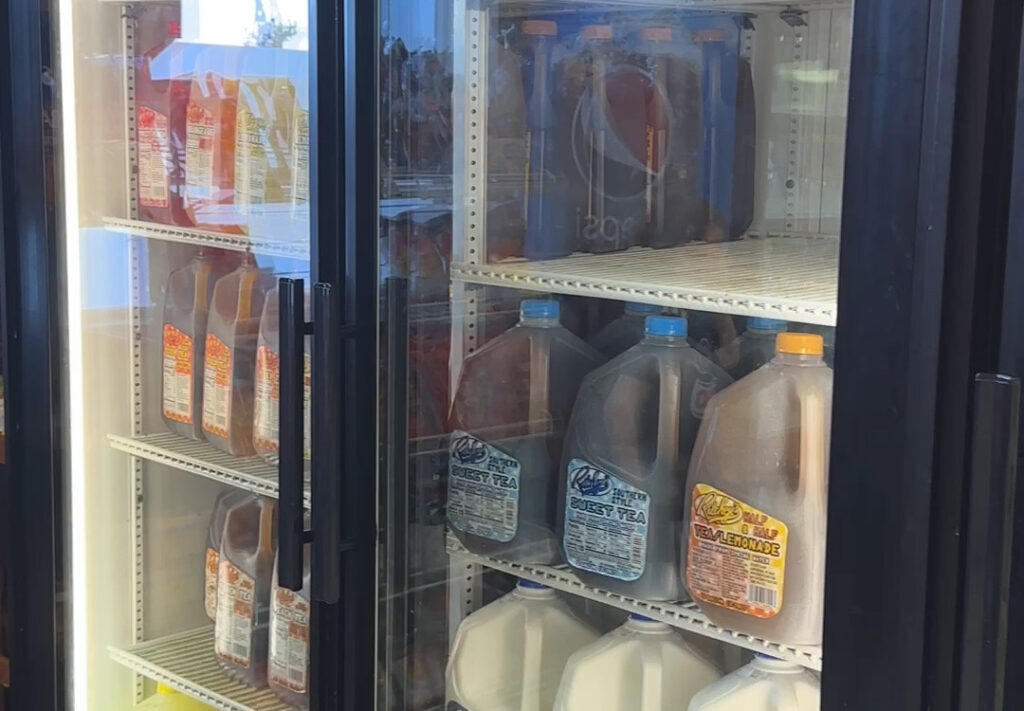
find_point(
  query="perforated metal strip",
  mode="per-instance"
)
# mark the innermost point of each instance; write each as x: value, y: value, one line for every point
x: 296, y: 248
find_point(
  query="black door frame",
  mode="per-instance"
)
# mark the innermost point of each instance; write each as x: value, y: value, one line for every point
x: 30, y: 312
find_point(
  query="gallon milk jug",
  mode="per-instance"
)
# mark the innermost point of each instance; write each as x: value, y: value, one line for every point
x: 766, y: 684
x: 243, y: 590
x: 186, y: 308
x: 755, y: 530
x: 509, y: 655
x: 628, y: 443
x: 288, y: 668
x: 267, y: 397
x: 625, y: 331
x: 752, y: 349
x: 167, y: 699
x: 230, y: 359
x: 643, y: 665
x: 225, y: 501
x: 509, y: 414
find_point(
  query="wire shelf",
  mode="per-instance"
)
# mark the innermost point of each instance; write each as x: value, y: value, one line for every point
x: 684, y: 615
x: 297, y: 248
x: 202, y: 458
x: 186, y: 662
x: 788, y: 278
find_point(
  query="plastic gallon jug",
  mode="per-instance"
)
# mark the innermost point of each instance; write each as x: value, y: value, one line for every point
x: 186, y: 308
x: 641, y: 666
x: 288, y: 667
x: 752, y: 349
x: 675, y: 211
x: 766, y: 684
x: 508, y: 417
x: 210, y: 140
x: 161, y: 91
x: 225, y: 501
x: 509, y: 655
x: 267, y: 397
x: 625, y: 331
x: 243, y: 590
x: 548, y: 232
x: 506, y: 152
x: 230, y: 358
x: 167, y: 699
x: 755, y: 553
x: 629, y: 441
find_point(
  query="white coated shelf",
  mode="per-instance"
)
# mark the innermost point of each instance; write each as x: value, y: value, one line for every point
x: 296, y: 248
x: 511, y: 6
x: 684, y: 615
x: 187, y: 663
x: 201, y: 458
x: 790, y: 278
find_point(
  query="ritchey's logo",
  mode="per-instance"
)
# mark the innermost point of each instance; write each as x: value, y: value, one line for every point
x: 717, y: 508
x: 469, y: 450
x: 589, y: 480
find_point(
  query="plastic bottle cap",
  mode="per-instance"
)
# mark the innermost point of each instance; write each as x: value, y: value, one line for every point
x: 174, y: 29
x: 538, y: 308
x: 800, y: 344
x: 666, y: 326
x: 709, y: 36
x: 767, y: 324
x: 635, y: 308
x: 640, y: 618
x: 596, y: 32
x: 531, y: 585
x: 545, y: 28
x: 656, y: 34
x: 164, y: 690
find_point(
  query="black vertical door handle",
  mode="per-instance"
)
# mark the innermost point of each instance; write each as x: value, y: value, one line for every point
x: 292, y: 330
x: 988, y: 542
x: 328, y: 433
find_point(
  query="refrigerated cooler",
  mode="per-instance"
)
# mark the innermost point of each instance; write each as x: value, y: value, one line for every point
x: 509, y: 354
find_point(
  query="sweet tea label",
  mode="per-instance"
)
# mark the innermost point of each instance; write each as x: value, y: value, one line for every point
x: 606, y: 522
x: 483, y: 488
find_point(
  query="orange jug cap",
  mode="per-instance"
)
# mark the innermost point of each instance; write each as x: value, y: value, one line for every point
x: 545, y: 28
x: 800, y: 344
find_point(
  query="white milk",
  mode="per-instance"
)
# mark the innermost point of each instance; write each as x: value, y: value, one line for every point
x: 509, y: 655
x: 766, y: 684
x: 643, y: 665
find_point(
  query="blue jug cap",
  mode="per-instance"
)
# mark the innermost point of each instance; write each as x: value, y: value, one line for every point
x: 538, y: 308
x: 762, y: 655
x: 767, y: 324
x: 640, y: 618
x: 530, y: 585
x: 666, y: 326
x: 634, y: 308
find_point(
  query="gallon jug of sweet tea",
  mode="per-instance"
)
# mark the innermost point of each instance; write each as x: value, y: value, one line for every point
x: 215, y: 532
x: 629, y: 440
x: 509, y: 655
x: 757, y: 484
x: 243, y: 590
x: 766, y: 684
x: 186, y: 309
x: 751, y: 349
x: 625, y: 331
x: 230, y: 358
x: 508, y: 418
x: 288, y: 668
x: 644, y: 665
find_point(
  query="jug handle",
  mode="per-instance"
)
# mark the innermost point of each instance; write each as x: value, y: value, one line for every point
x: 540, y: 382
x: 532, y: 672
x: 651, y: 680
x: 670, y: 403
x: 812, y: 444
x: 267, y: 511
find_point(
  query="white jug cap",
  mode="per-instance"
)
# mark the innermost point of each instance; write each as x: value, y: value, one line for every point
x: 773, y: 664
